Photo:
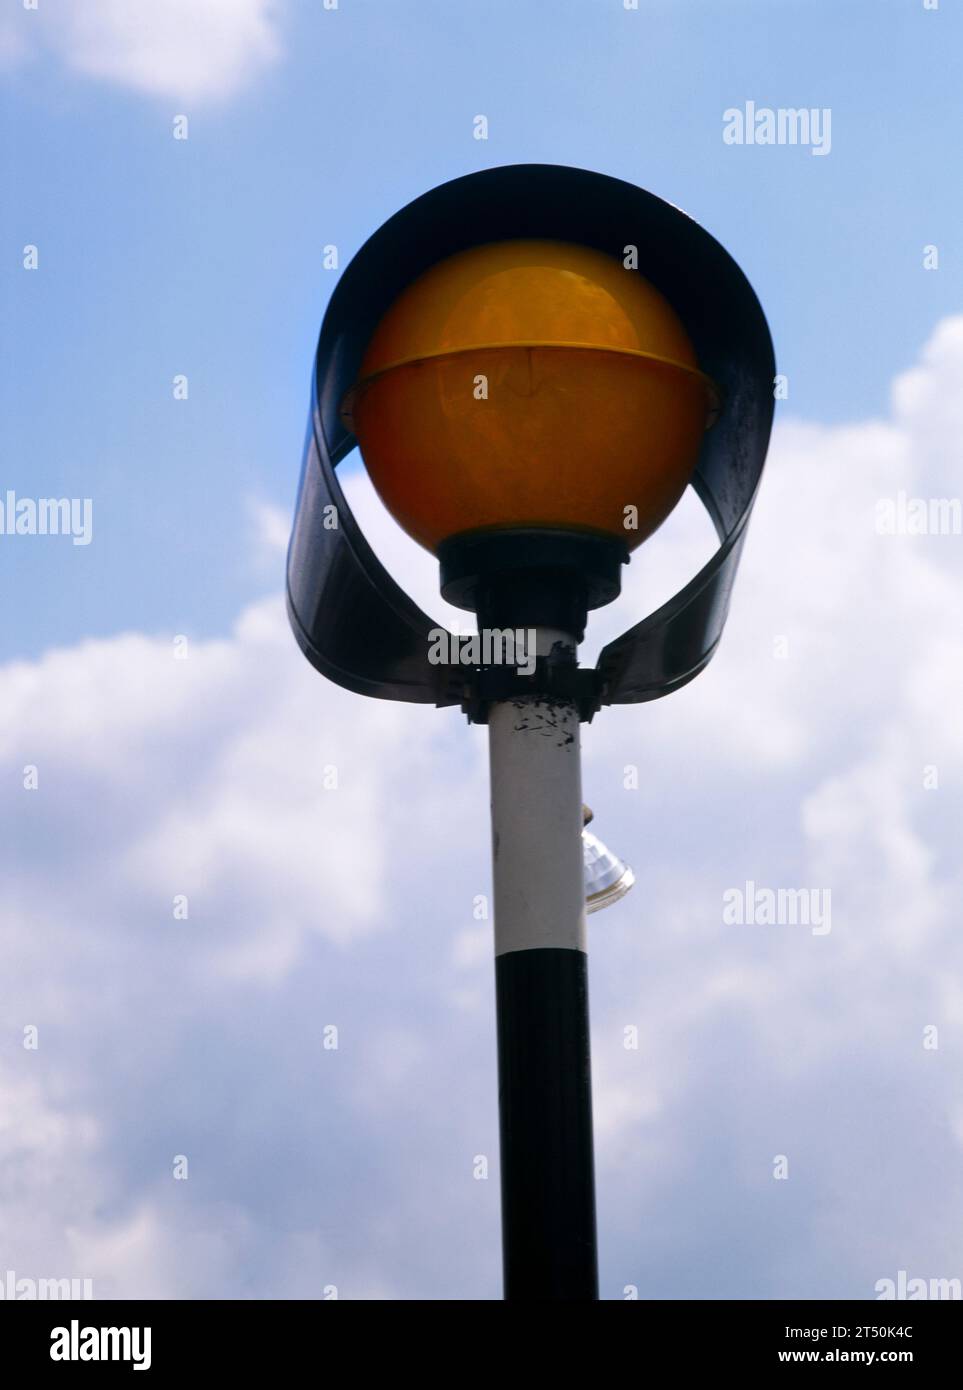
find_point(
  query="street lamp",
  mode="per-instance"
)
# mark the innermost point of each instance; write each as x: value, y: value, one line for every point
x: 535, y: 362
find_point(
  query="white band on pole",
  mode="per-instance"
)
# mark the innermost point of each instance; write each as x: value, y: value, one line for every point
x: 536, y: 801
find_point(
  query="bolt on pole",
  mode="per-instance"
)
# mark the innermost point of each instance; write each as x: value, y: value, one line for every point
x: 541, y: 976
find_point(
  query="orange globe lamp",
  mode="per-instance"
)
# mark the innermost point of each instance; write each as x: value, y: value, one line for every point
x: 530, y: 409
x: 530, y: 384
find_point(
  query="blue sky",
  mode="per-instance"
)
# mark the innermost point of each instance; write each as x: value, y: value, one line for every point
x: 799, y: 757
x: 203, y: 256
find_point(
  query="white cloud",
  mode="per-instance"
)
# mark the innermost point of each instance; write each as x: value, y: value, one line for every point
x: 354, y: 907
x: 180, y: 50
x: 272, y: 527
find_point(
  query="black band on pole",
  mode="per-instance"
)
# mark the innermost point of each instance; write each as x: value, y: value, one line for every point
x: 545, y: 1114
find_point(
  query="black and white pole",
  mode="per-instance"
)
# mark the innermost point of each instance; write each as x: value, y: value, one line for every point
x: 544, y: 1074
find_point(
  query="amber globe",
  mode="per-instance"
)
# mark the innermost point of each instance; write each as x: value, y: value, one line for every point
x: 530, y: 383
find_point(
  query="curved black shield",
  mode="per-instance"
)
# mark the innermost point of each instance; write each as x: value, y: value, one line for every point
x: 350, y: 618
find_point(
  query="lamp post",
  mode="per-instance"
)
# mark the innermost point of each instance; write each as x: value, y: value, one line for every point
x: 535, y: 362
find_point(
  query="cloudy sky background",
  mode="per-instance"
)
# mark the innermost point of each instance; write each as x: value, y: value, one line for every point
x: 798, y: 759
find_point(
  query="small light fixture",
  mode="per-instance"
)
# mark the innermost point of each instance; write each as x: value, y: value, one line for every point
x: 607, y: 878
